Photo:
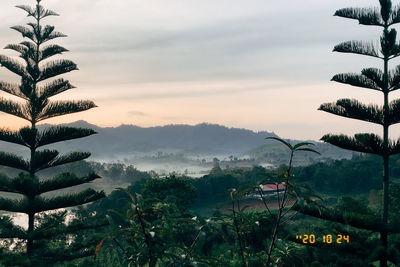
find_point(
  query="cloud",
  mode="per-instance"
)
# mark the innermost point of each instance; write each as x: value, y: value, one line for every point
x: 138, y: 113
x: 274, y: 47
x: 200, y: 90
x: 185, y: 47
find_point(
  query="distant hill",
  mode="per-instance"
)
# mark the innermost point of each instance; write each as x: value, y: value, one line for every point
x: 202, y: 139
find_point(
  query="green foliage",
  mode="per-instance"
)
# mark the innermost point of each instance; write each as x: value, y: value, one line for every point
x: 386, y: 115
x: 48, y: 239
x: 215, y: 238
x: 172, y: 190
x: 333, y: 177
x: 351, y: 108
x: 358, y: 47
x: 161, y: 235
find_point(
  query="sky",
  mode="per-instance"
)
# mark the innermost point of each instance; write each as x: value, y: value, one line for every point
x: 256, y: 64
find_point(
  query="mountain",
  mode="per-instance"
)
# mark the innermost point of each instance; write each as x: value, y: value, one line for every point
x: 133, y: 141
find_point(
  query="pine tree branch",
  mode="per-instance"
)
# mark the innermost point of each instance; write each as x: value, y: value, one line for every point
x: 58, y: 108
x: 12, y: 89
x: 65, y: 180
x: 394, y: 79
x: 36, y: 28
x: 385, y: 10
x: 365, y: 16
x: 56, y: 68
x: 48, y: 33
x: 17, y: 259
x: 395, y: 52
x: 69, y: 158
x: 31, y: 46
x: 356, y: 80
x: 75, y: 226
x: 394, y: 148
x: 28, y: 51
x: 23, y: 50
x: 388, y: 43
x: 13, y: 161
x: 395, y: 15
x: 49, y: 161
x: 6, y: 185
x: 357, y: 47
x: 12, y: 137
x: 25, y: 32
x: 47, y: 13
x: 14, y: 66
x: 394, y: 112
x: 375, y: 75
x: 351, y: 108
x: 42, y: 159
x: 56, y: 134
x: 26, y: 8
x: 13, y: 205
x: 38, y: 12
x: 51, y: 50
x: 54, y: 88
x: 357, y: 220
x: 9, y: 230
x: 22, y: 184
x: 29, y: 136
x: 365, y: 143
x: 66, y: 201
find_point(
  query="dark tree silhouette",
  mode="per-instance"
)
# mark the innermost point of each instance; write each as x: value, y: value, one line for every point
x: 384, y: 81
x: 38, y: 85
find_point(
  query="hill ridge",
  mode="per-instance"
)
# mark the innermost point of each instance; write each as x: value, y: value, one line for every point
x: 129, y: 141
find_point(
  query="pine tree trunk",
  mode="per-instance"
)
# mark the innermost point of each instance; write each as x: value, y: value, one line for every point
x: 29, y: 246
x: 31, y: 199
x: 384, y: 234
x: 385, y: 201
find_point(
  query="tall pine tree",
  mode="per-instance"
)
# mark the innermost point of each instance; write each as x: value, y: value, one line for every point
x: 384, y: 81
x: 38, y: 85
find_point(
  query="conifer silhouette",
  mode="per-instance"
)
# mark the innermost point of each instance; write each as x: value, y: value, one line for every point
x: 38, y: 85
x: 384, y: 81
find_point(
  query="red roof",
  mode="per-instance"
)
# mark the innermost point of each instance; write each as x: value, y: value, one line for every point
x: 272, y: 187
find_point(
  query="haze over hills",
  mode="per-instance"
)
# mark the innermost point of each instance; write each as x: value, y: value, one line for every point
x: 202, y: 140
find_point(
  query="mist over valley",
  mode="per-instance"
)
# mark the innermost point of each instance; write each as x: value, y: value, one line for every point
x: 185, y: 149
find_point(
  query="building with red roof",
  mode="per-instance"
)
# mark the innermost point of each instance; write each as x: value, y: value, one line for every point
x: 268, y: 190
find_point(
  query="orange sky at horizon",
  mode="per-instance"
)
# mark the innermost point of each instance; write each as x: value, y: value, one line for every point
x: 261, y: 109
